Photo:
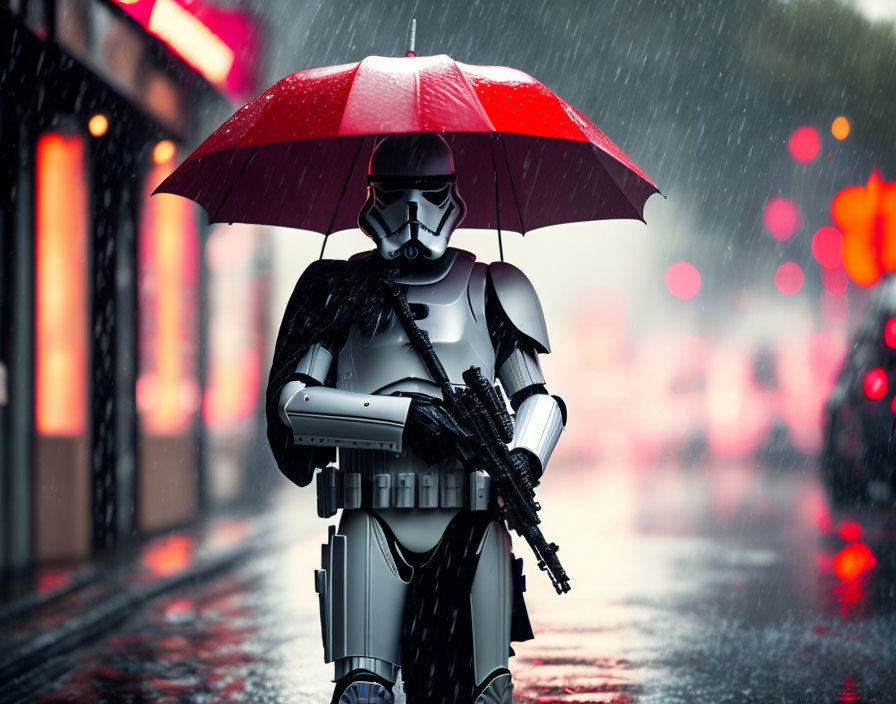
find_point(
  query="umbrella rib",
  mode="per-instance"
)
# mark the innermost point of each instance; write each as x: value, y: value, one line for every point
x: 519, y: 212
x: 348, y: 177
x: 233, y: 184
x: 491, y: 148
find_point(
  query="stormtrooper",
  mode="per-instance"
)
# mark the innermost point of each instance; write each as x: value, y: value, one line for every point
x: 420, y: 595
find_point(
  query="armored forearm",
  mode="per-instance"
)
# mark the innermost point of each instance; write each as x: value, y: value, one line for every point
x: 537, y: 426
x: 322, y: 416
x: 540, y: 418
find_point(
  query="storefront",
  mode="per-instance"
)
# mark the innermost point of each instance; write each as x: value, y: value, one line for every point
x: 103, y: 312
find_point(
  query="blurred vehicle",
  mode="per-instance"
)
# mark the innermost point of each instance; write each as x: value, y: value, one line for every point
x: 859, y: 448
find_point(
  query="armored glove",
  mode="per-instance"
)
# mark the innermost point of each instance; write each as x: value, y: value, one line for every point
x: 526, y: 463
x: 431, y: 431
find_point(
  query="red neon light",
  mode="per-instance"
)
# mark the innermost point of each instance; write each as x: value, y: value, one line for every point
x: 875, y: 384
x: 890, y: 333
x: 220, y: 44
x: 854, y: 560
x: 61, y: 286
x: 804, y: 144
x: 851, y: 531
x: 189, y: 37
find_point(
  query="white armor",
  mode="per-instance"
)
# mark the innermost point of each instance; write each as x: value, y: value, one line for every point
x: 360, y: 585
x: 394, y: 502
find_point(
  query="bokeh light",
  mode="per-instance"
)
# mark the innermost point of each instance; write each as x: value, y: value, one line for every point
x: 890, y: 333
x: 789, y: 278
x: 875, y: 384
x: 834, y: 307
x: 835, y: 280
x: 827, y: 247
x: 804, y: 144
x: 782, y: 217
x: 866, y: 215
x: 683, y: 280
x: 98, y: 125
x: 163, y: 152
x: 840, y: 128
x: 853, y: 561
x: 851, y: 531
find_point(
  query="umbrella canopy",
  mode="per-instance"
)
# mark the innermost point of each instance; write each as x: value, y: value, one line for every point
x: 297, y: 155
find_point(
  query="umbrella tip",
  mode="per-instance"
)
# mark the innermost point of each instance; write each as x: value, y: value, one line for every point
x: 412, y: 37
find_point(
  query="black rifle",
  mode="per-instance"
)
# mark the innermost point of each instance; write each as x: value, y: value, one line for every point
x: 480, y: 412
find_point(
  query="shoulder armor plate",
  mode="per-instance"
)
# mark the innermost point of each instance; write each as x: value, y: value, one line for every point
x: 518, y: 299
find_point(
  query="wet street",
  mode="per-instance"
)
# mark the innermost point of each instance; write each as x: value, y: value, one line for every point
x: 707, y: 583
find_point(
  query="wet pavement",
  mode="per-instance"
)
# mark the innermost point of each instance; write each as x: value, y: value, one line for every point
x: 711, y: 583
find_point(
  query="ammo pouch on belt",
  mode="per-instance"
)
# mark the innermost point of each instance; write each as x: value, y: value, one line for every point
x: 433, y: 488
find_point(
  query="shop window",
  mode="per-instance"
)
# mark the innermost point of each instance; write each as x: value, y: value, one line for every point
x: 167, y: 383
x: 235, y: 349
x: 61, y: 347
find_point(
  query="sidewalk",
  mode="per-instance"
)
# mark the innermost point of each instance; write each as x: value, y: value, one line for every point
x: 71, y: 608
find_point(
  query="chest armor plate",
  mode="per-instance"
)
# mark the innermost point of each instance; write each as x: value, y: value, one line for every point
x: 454, y: 309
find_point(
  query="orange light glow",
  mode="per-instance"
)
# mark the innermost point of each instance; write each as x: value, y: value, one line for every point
x: 163, y: 152
x: 61, y: 286
x: 840, y: 128
x: 169, y: 555
x: 98, y: 125
x: 167, y: 386
x: 189, y: 37
x: 853, y: 561
x: 866, y: 215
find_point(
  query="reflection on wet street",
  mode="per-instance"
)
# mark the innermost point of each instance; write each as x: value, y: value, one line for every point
x: 716, y: 583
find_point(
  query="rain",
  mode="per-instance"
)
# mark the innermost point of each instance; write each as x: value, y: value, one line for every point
x: 724, y: 491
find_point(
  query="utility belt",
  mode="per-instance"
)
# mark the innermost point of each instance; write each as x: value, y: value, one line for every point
x: 370, y: 479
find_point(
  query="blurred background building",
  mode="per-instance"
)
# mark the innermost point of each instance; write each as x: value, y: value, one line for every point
x: 120, y: 314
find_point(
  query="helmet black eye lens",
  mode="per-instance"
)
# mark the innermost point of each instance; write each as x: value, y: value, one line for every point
x: 386, y: 198
x: 436, y: 197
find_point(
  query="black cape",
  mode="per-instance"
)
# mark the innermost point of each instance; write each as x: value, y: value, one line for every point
x: 329, y: 297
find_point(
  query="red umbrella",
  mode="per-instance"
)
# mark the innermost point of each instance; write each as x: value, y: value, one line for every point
x: 297, y: 155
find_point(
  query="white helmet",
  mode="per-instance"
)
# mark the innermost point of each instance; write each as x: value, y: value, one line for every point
x: 412, y: 204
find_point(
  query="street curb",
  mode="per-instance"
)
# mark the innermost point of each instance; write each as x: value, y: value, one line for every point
x: 24, y: 605
x: 22, y: 670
